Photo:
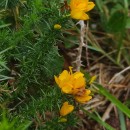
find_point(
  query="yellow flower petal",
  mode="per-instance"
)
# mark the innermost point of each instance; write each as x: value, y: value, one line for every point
x: 78, y: 4
x: 92, y: 79
x: 80, y: 82
x: 69, y: 82
x: 79, y: 7
x: 66, y: 109
x: 79, y: 15
x: 68, y: 89
x: 78, y: 75
x: 56, y: 79
x: 83, y: 98
x: 90, y: 6
x: 70, y: 68
x: 63, y: 75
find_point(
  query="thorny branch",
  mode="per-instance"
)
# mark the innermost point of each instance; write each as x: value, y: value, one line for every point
x: 81, y: 45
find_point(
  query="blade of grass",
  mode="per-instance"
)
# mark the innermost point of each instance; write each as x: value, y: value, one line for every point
x: 115, y: 101
x: 5, y: 25
x: 126, y: 5
x: 122, y: 120
x: 96, y: 118
x: 119, y: 51
x: 3, y: 77
x: 6, y: 4
x: 99, y: 4
x: 24, y: 126
x: 96, y: 47
x: 6, y: 50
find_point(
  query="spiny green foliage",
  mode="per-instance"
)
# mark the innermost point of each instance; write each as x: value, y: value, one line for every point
x: 33, y: 45
x: 27, y: 29
x: 44, y: 110
x: 5, y: 124
x: 3, y: 68
x: 29, y: 58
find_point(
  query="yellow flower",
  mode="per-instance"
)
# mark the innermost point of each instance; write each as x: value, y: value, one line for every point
x: 92, y: 79
x: 73, y: 83
x: 57, y: 26
x: 69, y: 82
x: 84, y: 97
x: 79, y: 9
x: 66, y: 109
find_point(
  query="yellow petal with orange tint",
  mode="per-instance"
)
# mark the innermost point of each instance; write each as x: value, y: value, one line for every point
x: 79, y: 15
x: 80, y: 82
x: 63, y: 75
x: 90, y: 6
x: 67, y: 88
x: 79, y: 9
x: 69, y: 82
x: 66, y: 109
x: 78, y: 4
x: 83, y: 98
x: 78, y: 74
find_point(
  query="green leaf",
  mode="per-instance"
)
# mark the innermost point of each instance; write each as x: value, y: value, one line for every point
x: 5, y: 25
x: 24, y: 126
x: 128, y: 23
x: 117, y: 22
x: 1, y: 52
x: 122, y: 120
x: 99, y: 120
x: 113, y: 99
x: 99, y: 4
x: 94, y: 48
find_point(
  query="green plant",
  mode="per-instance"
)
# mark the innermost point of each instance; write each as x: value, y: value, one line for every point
x: 6, y: 124
x: 33, y: 50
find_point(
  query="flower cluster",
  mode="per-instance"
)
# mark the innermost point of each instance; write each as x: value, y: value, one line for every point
x: 79, y: 9
x: 74, y: 84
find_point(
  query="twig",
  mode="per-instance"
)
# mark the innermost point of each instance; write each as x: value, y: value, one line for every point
x: 83, y: 30
x: 86, y: 46
x: 95, y: 105
x: 107, y: 112
x: 118, y: 74
x: 81, y: 44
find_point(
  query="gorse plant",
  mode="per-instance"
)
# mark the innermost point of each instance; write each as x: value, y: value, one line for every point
x: 28, y: 31
x: 32, y: 57
x: 40, y: 87
x: 32, y: 54
x: 5, y: 124
x: 34, y: 41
